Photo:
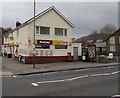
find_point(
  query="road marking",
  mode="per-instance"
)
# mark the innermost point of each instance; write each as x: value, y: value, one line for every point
x: 34, y: 84
x: 63, y: 80
x: 78, y: 77
x: 14, y: 76
x: 115, y: 72
x: 74, y: 78
x: 105, y: 74
x: 5, y: 76
x: 115, y: 96
x: 54, y: 81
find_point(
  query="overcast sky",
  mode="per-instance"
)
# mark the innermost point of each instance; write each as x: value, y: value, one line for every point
x: 86, y: 17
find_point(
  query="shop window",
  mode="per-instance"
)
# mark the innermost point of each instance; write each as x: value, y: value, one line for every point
x: 42, y: 46
x: 112, y: 48
x: 42, y: 30
x: 112, y: 40
x: 60, y: 46
x: 60, y: 31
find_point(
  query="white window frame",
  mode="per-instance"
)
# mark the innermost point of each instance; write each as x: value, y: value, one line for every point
x: 112, y: 49
x: 35, y: 30
x: 40, y: 30
x: 112, y: 40
x: 63, y: 31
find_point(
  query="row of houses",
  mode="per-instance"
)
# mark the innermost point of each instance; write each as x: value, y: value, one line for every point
x: 54, y: 40
x: 101, y: 44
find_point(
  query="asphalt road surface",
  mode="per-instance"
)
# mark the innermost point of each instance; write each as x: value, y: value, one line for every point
x: 90, y: 82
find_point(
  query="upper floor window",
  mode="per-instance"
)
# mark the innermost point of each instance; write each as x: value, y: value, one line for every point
x: 42, y: 30
x: 112, y: 48
x: 112, y: 40
x: 61, y: 31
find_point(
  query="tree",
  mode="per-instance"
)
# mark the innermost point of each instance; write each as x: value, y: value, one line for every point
x: 94, y: 32
x: 5, y: 30
x: 108, y: 29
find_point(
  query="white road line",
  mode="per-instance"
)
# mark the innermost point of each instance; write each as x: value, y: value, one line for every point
x: 71, y: 79
x: 14, y: 76
x: 116, y: 96
x: 34, y: 84
x: 55, y: 81
x: 78, y: 77
x: 115, y: 72
x: 101, y: 74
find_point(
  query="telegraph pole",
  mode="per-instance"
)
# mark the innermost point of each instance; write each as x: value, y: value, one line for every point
x: 34, y: 39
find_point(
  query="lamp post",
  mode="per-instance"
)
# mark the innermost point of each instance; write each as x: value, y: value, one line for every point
x: 34, y: 39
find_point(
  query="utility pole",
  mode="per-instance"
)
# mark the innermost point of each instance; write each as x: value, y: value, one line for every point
x: 34, y: 39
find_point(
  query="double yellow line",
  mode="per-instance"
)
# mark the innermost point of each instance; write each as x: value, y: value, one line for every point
x: 5, y: 76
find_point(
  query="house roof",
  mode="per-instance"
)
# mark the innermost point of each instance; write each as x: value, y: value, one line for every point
x: 92, y: 39
x: 113, y: 34
x: 42, y: 13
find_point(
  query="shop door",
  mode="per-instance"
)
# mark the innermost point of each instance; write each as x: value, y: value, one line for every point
x: 75, y: 53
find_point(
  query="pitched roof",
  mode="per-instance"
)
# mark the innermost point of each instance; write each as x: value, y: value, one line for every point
x: 92, y: 39
x: 42, y: 13
x: 113, y: 34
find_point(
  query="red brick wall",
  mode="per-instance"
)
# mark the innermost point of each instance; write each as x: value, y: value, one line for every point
x: 50, y: 59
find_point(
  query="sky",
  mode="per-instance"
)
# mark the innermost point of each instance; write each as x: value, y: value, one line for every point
x: 86, y: 16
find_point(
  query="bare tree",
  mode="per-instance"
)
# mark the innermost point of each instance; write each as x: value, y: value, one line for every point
x: 108, y: 29
x: 8, y: 29
x: 94, y: 32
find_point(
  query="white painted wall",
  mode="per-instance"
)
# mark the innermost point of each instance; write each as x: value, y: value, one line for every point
x: 50, y: 19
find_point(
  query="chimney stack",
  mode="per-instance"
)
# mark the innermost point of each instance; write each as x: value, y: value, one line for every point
x: 18, y: 23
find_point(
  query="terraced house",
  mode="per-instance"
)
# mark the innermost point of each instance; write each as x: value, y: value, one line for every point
x: 53, y: 39
x: 113, y: 44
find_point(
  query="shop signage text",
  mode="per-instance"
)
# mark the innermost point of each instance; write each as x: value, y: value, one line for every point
x: 44, y: 42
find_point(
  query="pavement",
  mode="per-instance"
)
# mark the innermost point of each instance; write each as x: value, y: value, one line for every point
x: 11, y: 67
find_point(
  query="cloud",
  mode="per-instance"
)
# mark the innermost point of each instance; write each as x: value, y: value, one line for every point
x: 86, y: 16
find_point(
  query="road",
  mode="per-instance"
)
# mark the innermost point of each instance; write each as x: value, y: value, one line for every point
x: 90, y: 82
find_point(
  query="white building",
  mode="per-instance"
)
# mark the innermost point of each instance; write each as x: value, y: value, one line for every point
x: 53, y: 39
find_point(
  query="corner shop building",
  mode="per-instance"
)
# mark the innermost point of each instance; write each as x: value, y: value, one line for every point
x: 53, y: 39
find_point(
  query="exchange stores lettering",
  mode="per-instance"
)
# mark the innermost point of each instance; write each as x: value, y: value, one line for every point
x: 45, y: 44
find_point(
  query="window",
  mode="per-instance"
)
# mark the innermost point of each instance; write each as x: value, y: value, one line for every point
x: 60, y: 46
x: 60, y: 31
x: 112, y: 48
x: 37, y: 29
x: 112, y: 40
x: 42, y: 46
x: 42, y: 30
x: 45, y: 30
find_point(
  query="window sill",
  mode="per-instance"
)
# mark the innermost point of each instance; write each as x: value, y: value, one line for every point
x: 60, y: 36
